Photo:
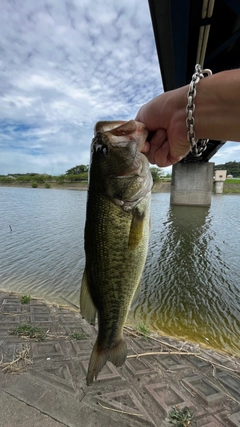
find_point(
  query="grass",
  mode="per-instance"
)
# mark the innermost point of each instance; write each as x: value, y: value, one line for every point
x: 232, y: 181
x: 25, y: 299
x: 142, y: 328
x: 231, y: 191
x: 231, y: 186
x: 20, y: 362
x: 77, y: 336
x: 29, y: 331
x: 178, y: 417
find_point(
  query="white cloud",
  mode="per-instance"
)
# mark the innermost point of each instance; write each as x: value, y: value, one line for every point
x: 65, y: 65
x: 228, y: 153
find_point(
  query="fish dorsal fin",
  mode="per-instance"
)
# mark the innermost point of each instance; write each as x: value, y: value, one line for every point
x: 87, y: 308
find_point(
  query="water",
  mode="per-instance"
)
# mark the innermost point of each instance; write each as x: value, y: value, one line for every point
x: 191, y: 282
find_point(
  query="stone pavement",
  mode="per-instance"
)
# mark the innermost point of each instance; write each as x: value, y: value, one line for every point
x: 42, y: 383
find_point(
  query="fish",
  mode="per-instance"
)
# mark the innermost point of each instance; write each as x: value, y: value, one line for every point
x: 116, y: 236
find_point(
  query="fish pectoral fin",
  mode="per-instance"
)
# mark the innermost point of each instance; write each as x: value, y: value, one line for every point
x: 136, y: 229
x: 87, y: 308
x: 136, y: 295
x: 116, y: 354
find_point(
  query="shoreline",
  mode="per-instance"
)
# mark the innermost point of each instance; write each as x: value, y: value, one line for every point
x: 45, y: 353
x: 159, y: 187
x: 164, y: 186
x: 178, y: 340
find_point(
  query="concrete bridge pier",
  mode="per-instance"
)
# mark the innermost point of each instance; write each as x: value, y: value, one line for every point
x: 218, y: 187
x: 220, y: 177
x: 192, y: 184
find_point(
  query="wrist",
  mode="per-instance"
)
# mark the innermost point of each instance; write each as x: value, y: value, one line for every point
x: 198, y: 146
x: 217, y: 109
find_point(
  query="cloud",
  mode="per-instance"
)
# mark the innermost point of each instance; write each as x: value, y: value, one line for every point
x: 64, y: 66
x: 228, y: 153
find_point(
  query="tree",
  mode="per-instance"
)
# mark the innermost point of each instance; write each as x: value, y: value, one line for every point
x: 233, y: 168
x: 157, y: 174
x: 77, y: 170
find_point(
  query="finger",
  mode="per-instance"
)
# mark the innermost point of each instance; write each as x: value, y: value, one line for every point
x: 146, y: 148
x: 155, y: 143
x: 161, y: 155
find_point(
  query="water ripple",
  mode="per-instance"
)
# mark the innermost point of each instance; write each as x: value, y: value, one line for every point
x: 192, y: 277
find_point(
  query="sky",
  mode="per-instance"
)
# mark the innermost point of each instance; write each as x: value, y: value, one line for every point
x: 66, y: 64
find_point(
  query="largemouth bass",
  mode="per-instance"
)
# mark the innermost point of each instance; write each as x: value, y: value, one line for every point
x: 116, y: 235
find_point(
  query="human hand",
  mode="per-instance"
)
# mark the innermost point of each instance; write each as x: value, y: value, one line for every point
x: 165, y: 118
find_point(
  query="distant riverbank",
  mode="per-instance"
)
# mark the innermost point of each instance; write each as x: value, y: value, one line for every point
x: 159, y: 187
x: 53, y: 185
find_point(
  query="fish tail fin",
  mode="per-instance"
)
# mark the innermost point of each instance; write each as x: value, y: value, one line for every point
x: 116, y: 354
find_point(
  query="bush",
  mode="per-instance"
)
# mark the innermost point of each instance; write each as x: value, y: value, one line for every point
x: 47, y: 185
x: 23, y: 179
x: 6, y: 180
x: 60, y: 179
x: 34, y: 185
x: 77, y: 177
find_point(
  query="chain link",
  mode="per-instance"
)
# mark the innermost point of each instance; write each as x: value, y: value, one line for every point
x: 197, y: 147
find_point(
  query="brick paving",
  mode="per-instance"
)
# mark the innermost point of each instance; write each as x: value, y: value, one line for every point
x: 50, y: 389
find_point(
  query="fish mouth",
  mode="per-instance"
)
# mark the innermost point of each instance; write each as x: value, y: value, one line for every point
x: 122, y: 131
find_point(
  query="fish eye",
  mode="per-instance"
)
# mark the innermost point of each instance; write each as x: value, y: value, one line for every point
x: 102, y: 149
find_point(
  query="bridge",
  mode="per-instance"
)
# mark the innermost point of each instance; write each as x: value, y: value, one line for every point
x: 188, y: 32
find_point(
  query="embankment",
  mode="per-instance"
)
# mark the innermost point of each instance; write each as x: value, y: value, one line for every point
x: 159, y: 187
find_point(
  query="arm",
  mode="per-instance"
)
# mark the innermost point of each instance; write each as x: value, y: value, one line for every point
x: 217, y: 117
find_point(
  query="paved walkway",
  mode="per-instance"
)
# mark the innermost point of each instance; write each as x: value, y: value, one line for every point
x: 42, y: 383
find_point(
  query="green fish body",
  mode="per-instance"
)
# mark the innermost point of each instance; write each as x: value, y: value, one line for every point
x: 116, y: 235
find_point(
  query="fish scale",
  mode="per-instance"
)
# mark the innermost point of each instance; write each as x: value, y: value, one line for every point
x: 116, y: 239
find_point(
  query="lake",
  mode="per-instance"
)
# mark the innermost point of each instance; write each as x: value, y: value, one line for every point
x: 191, y: 282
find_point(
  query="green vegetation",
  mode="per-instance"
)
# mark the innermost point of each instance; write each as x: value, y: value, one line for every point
x: 168, y: 177
x: 77, y: 336
x: 77, y: 178
x: 60, y: 179
x: 77, y: 170
x: 76, y: 174
x: 30, y: 331
x: 232, y: 181
x: 25, y: 299
x: 178, y: 417
x: 157, y: 174
x: 6, y: 180
x: 231, y: 189
x: 144, y: 331
x: 232, y: 168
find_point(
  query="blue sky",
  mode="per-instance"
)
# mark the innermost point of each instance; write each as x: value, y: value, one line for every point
x: 64, y: 65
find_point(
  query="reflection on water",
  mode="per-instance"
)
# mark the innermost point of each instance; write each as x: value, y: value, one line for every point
x: 189, y: 288
x: 192, y: 277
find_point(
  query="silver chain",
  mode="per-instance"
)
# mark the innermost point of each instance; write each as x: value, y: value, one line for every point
x: 197, y: 147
